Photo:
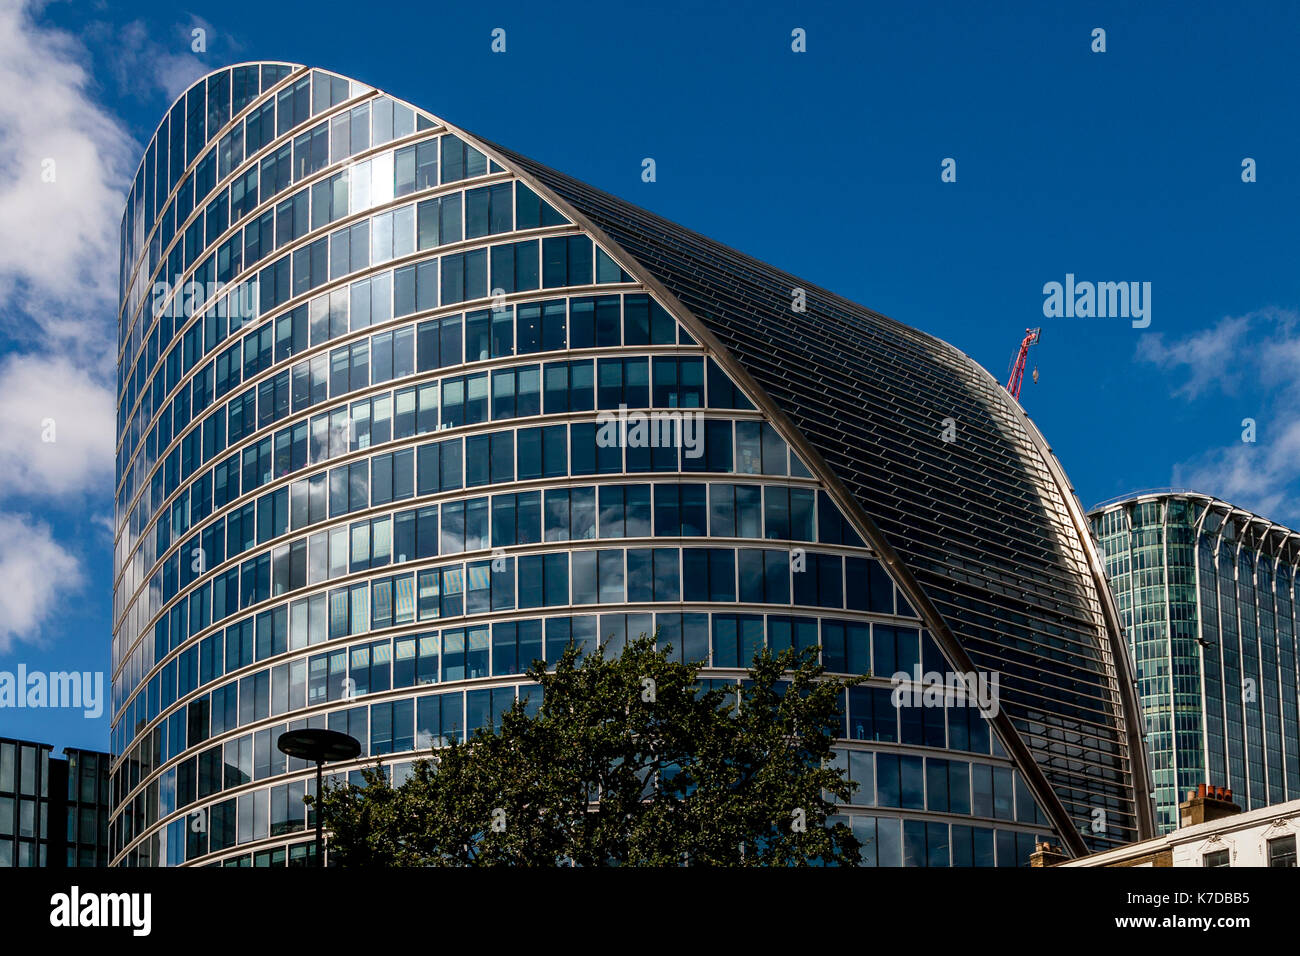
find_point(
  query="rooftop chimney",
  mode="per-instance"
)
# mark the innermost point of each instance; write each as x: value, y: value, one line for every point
x: 1046, y: 854
x: 1206, y: 803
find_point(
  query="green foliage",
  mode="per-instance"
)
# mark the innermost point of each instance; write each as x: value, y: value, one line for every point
x: 629, y: 761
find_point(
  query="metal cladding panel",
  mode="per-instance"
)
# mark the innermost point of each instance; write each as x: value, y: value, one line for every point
x: 982, y: 522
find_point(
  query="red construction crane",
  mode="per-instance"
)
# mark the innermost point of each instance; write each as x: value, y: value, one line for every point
x: 1018, y: 367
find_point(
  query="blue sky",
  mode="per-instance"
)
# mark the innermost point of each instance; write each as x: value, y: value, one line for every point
x: 1117, y: 166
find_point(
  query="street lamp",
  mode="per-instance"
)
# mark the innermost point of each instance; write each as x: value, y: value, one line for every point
x: 319, y: 746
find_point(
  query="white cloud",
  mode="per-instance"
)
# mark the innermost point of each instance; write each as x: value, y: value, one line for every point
x: 149, y: 60
x: 1206, y: 358
x: 1259, y: 476
x: 58, y: 263
x: 42, y: 397
x: 1260, y: 347
x: 38, y: 574
x: 1252, y: 357
x: 65, y: 165
x: 104, y: 522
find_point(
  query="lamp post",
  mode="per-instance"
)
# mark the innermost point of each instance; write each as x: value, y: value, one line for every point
x: 319, y: 746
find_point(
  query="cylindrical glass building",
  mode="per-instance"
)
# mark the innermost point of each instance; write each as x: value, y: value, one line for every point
x: 1208, y: 594
x: 401, y: 411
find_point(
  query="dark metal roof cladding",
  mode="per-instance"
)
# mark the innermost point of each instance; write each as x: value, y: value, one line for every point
x: 986, y: 525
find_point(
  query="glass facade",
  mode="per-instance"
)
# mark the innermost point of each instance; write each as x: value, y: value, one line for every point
x: 86, y: 808
x: 53, y: 811
x: 25, y: 801
x: 1207, y: 593
x: 396, y: 418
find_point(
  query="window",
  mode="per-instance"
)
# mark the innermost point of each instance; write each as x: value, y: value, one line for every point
x: 460, y: 161
x: 311, y: 151
x: 416, y: 167
x: 623, y: 382
x: 464, y: 276
x: 678, y: 383
x: 607, y: 270
x: 294, y: 105
x: 736, y: 639
x: 532, y: 211
x: 680, y: 510
x: 595, y: 321
x: 515, y: 268
x: 722, y: 391
x: 1281, y: 851
x: 1216, y: 858
x: 488, y: 210
x: 569, y: 386
x: 709, y: 574
x: 566, y: 260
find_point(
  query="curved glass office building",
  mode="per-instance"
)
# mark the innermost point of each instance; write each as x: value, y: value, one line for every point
x: 1208, y: 595
x: 401, y: 411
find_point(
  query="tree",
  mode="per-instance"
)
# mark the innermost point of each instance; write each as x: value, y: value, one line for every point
x: 628, y: 760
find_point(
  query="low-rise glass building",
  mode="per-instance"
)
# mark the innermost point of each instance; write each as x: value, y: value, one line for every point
x: 53, y: 810
x: 401, y: 411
